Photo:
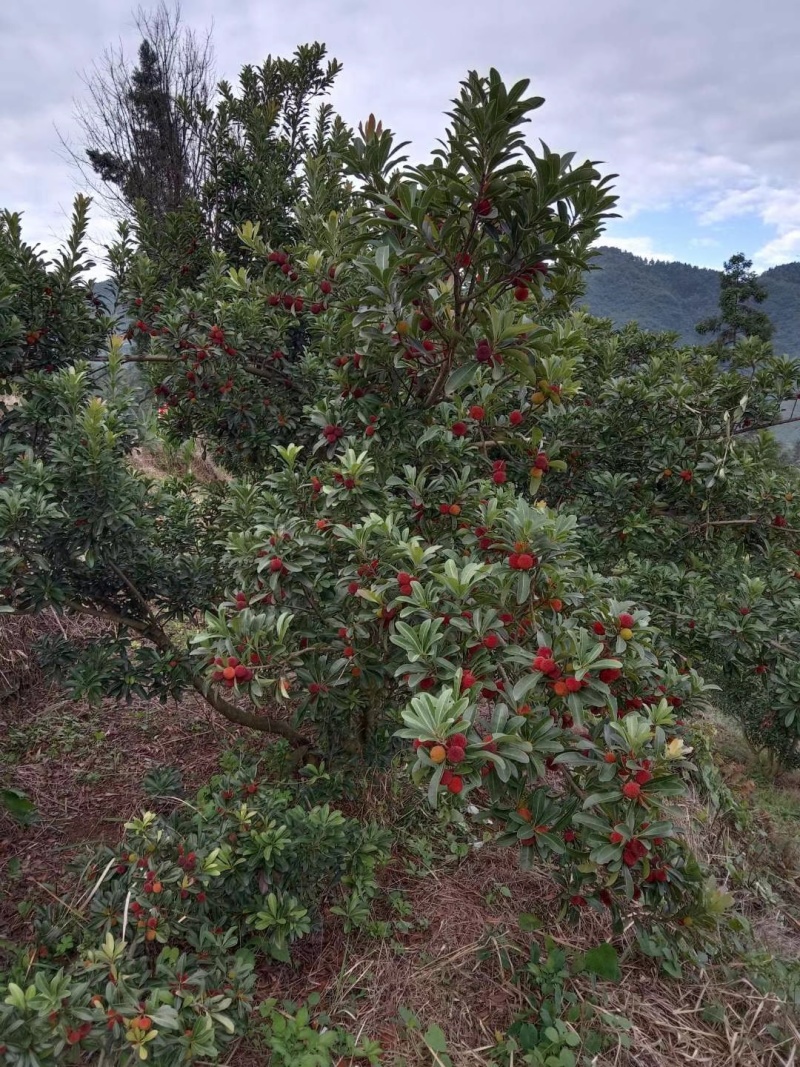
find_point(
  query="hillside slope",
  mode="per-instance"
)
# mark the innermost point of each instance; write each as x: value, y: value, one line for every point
x: 676, y: 296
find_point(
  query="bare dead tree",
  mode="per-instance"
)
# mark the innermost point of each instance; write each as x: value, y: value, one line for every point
x: 138, y: 143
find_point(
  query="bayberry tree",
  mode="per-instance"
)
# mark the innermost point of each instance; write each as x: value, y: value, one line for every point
x: 389, y: 568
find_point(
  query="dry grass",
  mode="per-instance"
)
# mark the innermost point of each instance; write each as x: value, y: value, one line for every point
x: 156, y: 463
x: 456, y: 971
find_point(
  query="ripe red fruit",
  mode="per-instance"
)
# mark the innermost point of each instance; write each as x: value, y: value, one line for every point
x: 572, y: 684
x: 468, y: 679
x: 482, y: 207
x: 404, y: 578
x: 521, y: 292
x: 599, y: 629
x: 491, y: 641
x: 325, y: 286
x: 456, y: 784
x: 353, y: 588
x: 615, y: 837
x: 476, y: 412
x: 610, y: 757
x: 578, y: 901
x: 458, y: 739
x: 459, y: 429
x: 525, y: 561
x: 556, y: 604
x: 427, y: 683
x: 609, y: 675
x: 425, y: 324
x: 686, y: 475
x: 276, y: 564
x: 241, y: 673
x: 744, y: 611
x: 642, y: 777
x: 348, y: 651
x: 515, y: 418
x: 632, y: 790
x: 625, y: 620
x: 455, y: 754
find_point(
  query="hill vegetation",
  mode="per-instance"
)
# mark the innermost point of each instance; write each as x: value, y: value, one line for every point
x: 676, y: 296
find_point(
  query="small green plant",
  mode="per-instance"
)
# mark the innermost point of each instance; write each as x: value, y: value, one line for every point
x: 560, y: 1027
x: 164, y: 781
x: 298, y: 1037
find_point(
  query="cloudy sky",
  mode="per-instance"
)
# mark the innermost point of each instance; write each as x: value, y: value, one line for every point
x: 694, y: 103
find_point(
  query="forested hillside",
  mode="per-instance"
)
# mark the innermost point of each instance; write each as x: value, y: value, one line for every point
x: 676, y: 296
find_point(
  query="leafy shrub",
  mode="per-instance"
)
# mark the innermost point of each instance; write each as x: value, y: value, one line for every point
x: 178, y: 913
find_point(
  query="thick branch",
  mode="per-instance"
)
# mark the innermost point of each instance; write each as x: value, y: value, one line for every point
x: 265, y: 723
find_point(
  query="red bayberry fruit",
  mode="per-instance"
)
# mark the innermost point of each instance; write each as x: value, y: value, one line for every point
x: 525, y: 561
x: 482, y: 207
x: 572, y: 684
x: 515, y: 418
x: 626, y: 620
x: 468, y: 679
x: 599, y: 629
x: 491, y: 641
x: 276, y: 564
x: 476, y: 412
x: 459, y: 429
x: 456, y: 754
x: 521, y: 292
x: 632, y: 790
x: 615, y: 837
x: 456, y: 784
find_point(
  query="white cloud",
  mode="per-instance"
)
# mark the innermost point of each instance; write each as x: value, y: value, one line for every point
x: 639, y: 246
x: 665, y: 94
x: 782, y: 249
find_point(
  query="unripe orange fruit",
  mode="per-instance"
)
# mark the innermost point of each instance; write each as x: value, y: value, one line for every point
x: 438, y: 754
x: 625, y: 633
x: 535, y: 472
x: 524, y: 813
x: 538, y: 397
x: 143, y: 1022
x: 150, y: 935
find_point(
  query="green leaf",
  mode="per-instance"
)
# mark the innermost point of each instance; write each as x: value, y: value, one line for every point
x: 528, y: 922
x: 461, y: 377
x: 435, y: 1038
x: 19, y: 806
x: 604, y: 962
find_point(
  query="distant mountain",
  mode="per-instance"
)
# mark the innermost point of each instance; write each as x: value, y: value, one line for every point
x: 676, y: 296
